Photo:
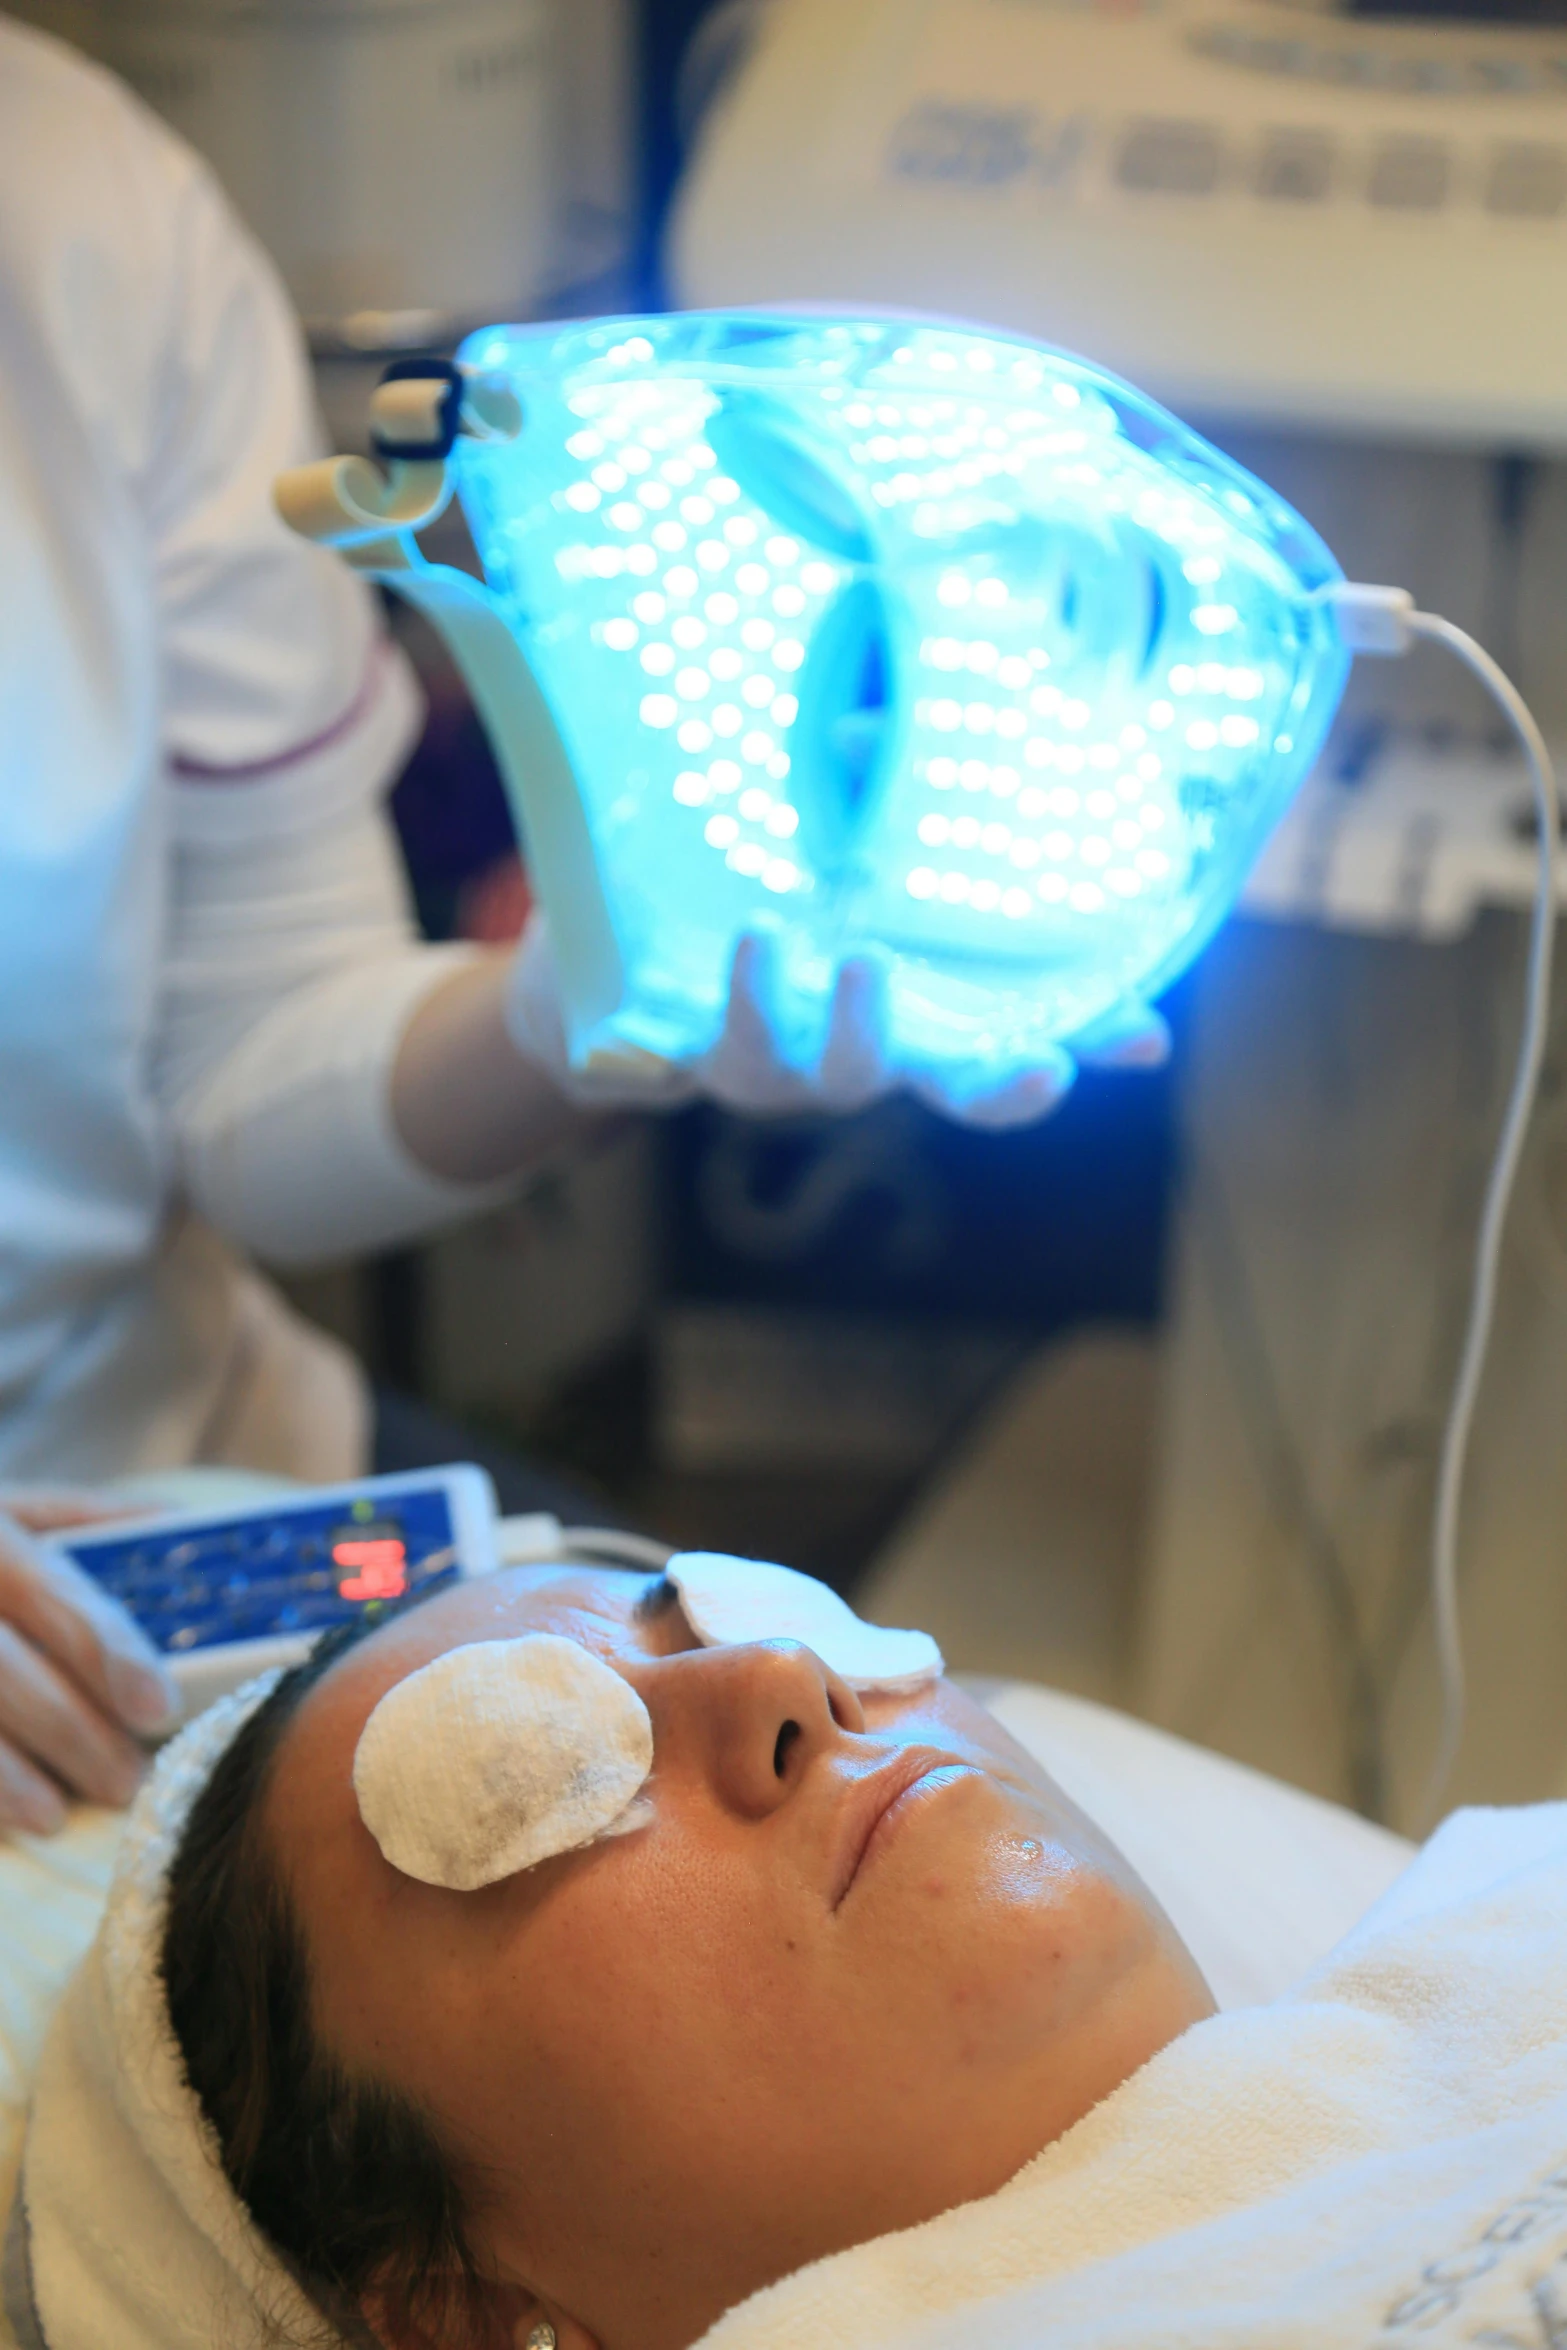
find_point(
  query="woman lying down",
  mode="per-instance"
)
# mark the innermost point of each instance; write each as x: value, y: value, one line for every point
x: 586, y: 1961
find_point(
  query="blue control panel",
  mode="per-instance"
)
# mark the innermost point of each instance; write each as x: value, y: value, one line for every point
x: 294, y: 1568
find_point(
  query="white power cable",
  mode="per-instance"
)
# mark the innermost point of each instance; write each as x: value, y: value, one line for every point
x: 1498, y: 1193
x: 539, y: 1539
x: 1378, y: 620
x: 617, y: 1548
x: 1384, y: 620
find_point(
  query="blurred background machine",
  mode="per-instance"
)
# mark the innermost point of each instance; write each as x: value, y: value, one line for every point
x: 1264, y: 208
x: 414, y: 167
x: 1337, y: 239
x: 1145, y: 1402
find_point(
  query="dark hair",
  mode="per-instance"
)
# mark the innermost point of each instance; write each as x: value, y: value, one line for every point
x: 346, y: 2175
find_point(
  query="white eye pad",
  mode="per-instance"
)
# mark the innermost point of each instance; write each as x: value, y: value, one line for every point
x: 727, y: 1601
x: 499, y: 1755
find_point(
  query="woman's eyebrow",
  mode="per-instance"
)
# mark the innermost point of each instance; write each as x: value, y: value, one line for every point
x: 656, y: 1601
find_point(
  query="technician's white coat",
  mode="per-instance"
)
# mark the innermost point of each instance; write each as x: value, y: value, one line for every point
x: 188, y: 700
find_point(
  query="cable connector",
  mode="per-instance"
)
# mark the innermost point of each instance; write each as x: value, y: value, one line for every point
x: 1372, y: 619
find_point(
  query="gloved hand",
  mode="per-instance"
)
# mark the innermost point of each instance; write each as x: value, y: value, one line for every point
x: 745, y: 1069
x: 78, y: 1680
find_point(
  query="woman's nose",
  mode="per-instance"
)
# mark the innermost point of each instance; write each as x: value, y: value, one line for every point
x: 751, y: 1718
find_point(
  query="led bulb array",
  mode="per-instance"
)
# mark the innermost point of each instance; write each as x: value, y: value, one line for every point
x: 904, y: 637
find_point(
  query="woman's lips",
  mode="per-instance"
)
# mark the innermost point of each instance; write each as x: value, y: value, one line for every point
x: 881, y: 1804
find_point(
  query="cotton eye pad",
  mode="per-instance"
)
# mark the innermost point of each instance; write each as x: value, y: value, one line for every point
x: 727, y: 1601
x: 500, y: 1755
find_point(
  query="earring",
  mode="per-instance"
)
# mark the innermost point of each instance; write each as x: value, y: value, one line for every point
x: 541, y: 2336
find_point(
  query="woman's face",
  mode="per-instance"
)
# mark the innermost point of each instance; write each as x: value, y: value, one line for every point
x: 862, y: 1964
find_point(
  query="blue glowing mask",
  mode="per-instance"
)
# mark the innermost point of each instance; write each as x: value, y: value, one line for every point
x: 882, y: 635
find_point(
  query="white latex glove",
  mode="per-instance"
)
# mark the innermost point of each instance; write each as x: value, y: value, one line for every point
x: 79, y: 1683
x: 745, y: 1069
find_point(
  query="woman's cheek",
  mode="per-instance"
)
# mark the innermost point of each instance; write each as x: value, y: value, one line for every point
x: 660, y: 1926
x: 1003, y: 1935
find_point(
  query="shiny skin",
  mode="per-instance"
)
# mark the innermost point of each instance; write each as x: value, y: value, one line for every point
x: 778, y: 2020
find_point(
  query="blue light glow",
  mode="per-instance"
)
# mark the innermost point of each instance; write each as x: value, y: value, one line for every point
x: 886, y: 634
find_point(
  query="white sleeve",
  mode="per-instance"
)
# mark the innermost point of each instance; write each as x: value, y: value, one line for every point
x: 291, y: 966
x: 267, y: 641
x: 291, y: 973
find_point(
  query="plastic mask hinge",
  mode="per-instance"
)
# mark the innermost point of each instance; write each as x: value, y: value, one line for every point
x: 416, y: 410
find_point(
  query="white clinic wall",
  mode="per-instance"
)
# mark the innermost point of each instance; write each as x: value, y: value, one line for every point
x: 466, y: 160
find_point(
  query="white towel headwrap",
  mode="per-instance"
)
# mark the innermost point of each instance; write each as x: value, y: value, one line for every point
x: 135, y: 2238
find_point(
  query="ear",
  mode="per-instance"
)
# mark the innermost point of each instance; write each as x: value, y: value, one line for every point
x: 401, y: 2321
x: 391, y: 2325
x: 504, y: 2321
x: 569, y: 2334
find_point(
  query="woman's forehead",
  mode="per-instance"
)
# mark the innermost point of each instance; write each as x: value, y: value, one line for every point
x: 585, y: 1603
x: 520, y: 1599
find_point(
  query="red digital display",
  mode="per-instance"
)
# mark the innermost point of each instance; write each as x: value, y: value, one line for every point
x: 371, y: 1566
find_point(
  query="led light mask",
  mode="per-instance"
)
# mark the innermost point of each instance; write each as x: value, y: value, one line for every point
x: 504, y: 1753
x: 884, y: 635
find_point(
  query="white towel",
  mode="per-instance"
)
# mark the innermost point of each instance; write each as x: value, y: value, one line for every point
x: 1378, y: 2157
x: 133, y: 2237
